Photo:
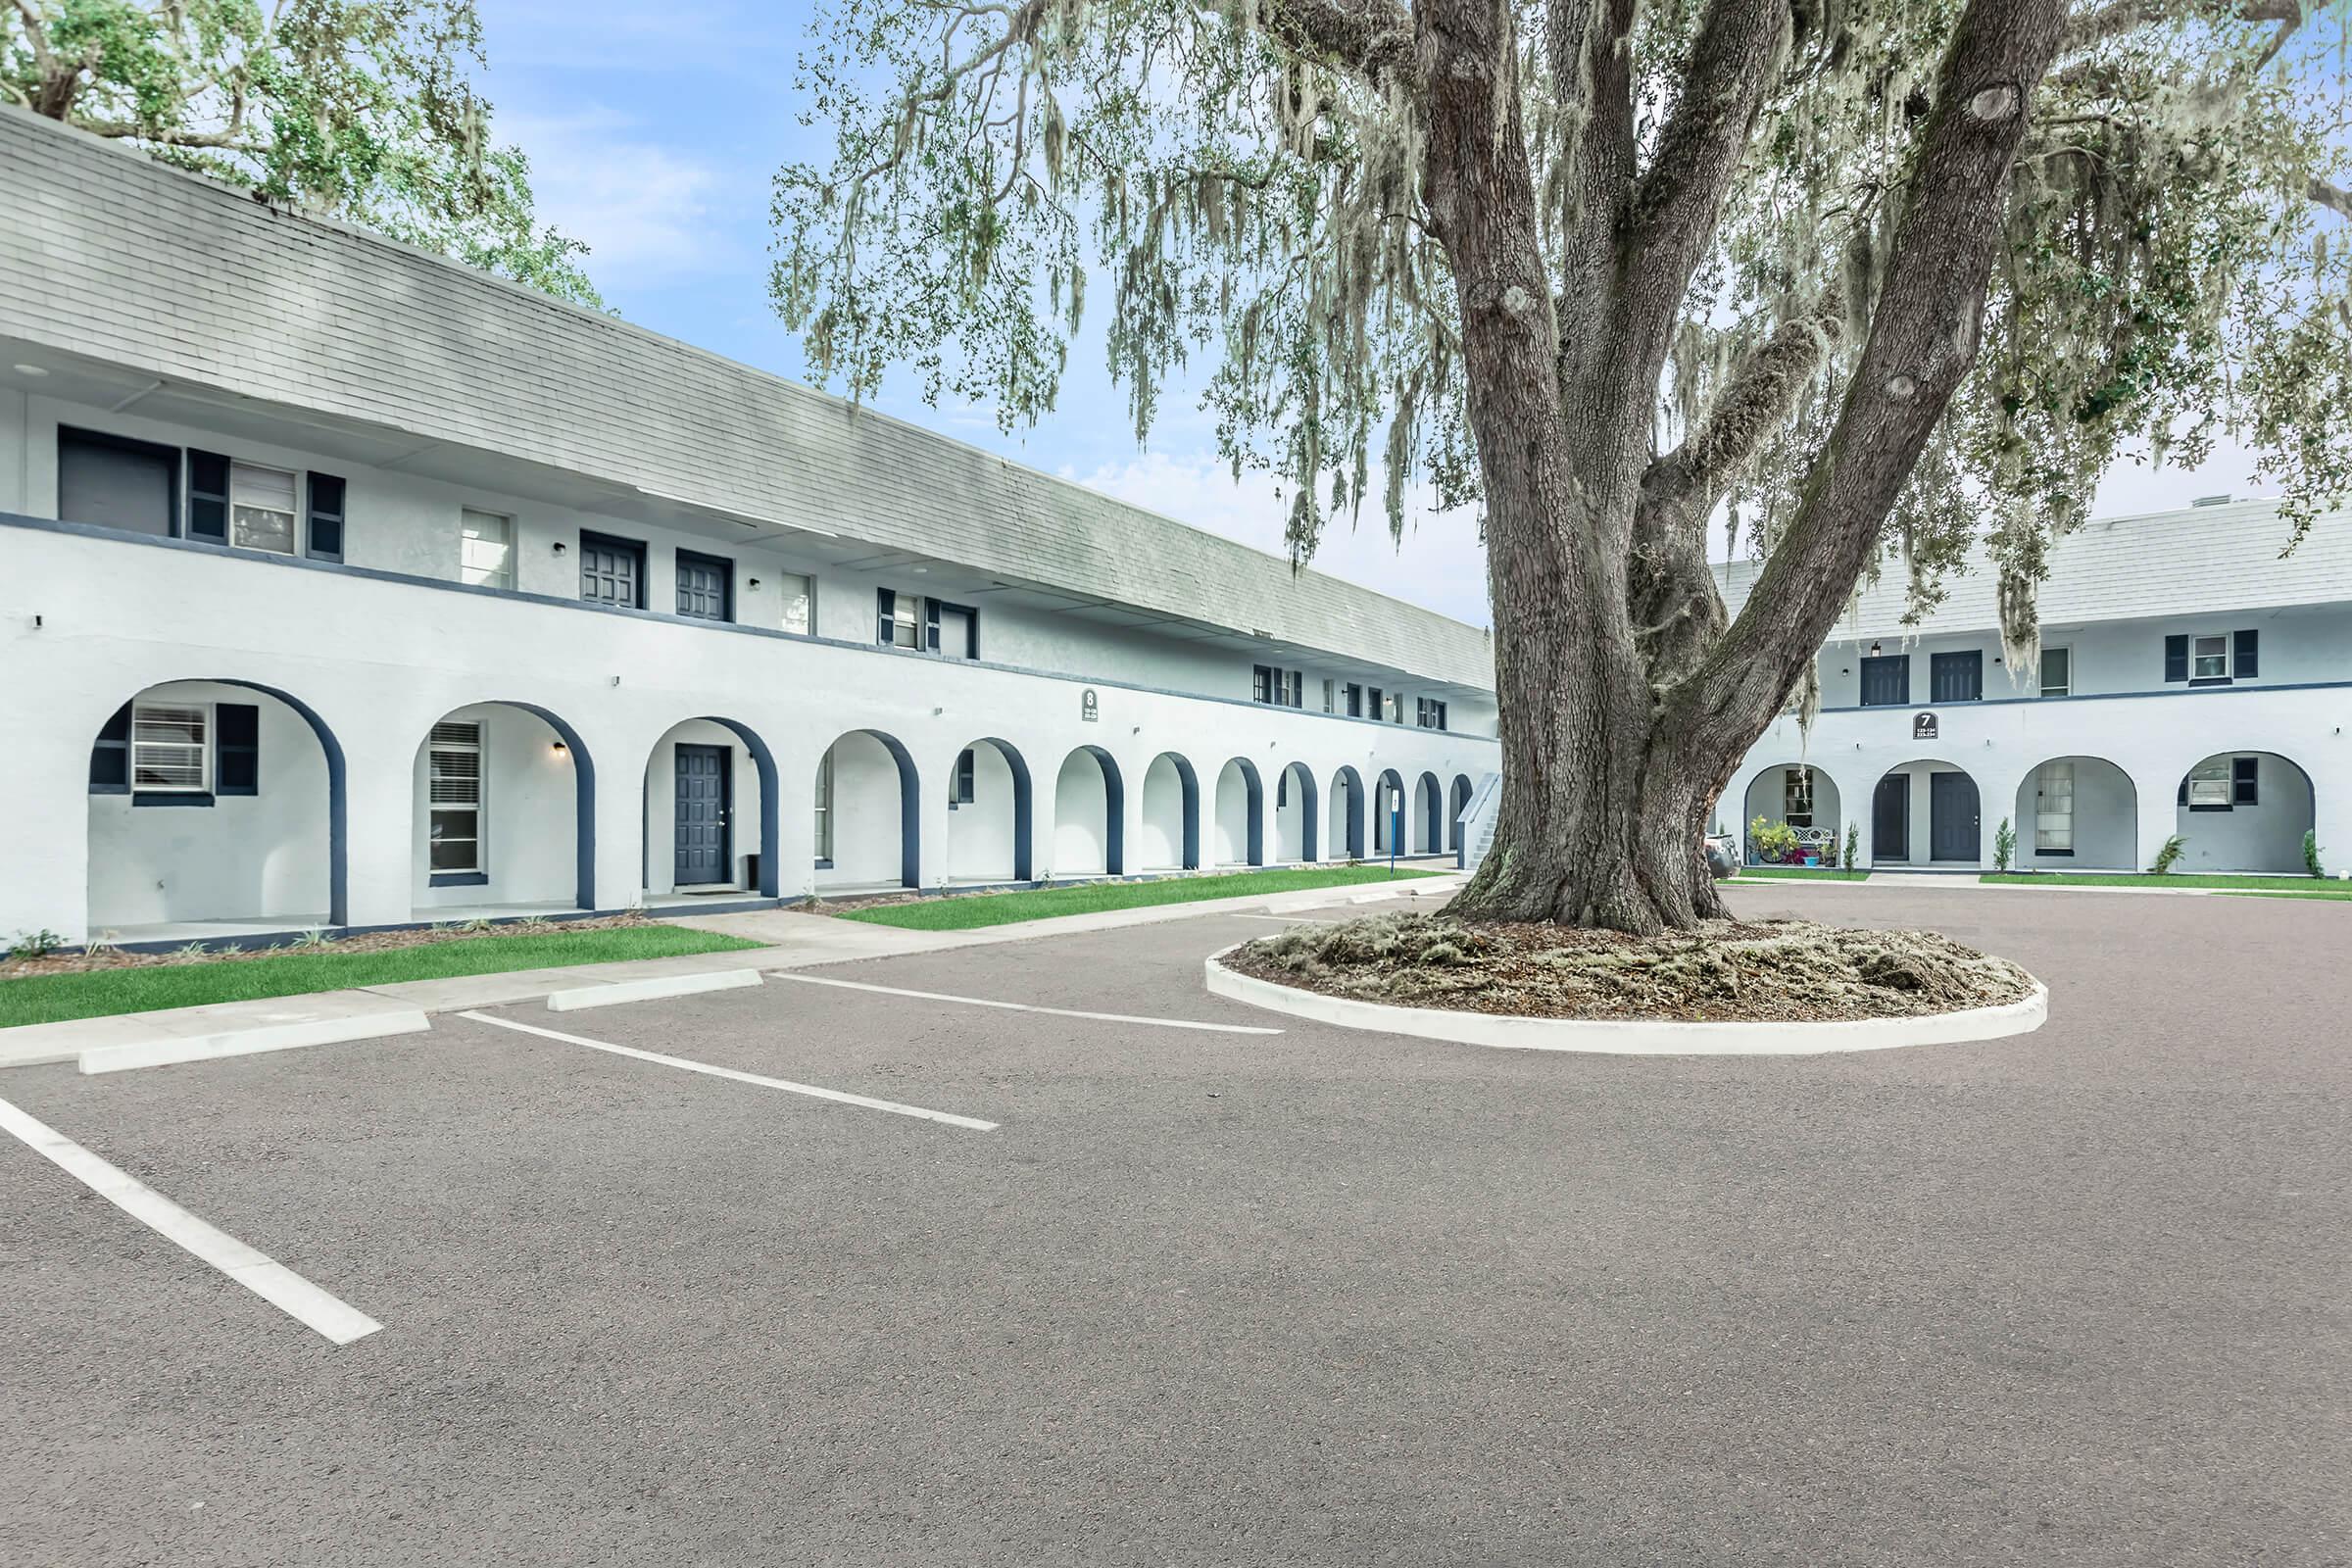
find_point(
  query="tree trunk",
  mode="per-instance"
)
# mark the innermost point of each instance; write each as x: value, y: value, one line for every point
x: 1614, y: 752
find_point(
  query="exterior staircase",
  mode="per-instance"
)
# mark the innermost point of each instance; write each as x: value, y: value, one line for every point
x: 1478, y: 822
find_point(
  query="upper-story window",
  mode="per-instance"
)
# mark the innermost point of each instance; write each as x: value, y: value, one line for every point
x: 899, y: 620
x: 706, y: 587
x: 1431, y: 714
x: 950, y: 630
x: 262, y: 507
x: 486, y: 549
x: 1331, y: 690
x: 2213, y: 659
x: 1282, y: 688
x: 1379, y: 704
x: 140, y: 487
x: 799, y: 594
x: 1356, y: 700
x: 2057, y: 672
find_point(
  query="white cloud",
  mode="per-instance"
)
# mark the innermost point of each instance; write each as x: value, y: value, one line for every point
x: 644, y: 209
x: 1440, y: 565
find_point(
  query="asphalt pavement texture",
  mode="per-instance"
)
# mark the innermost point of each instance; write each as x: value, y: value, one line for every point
x: 1321, y: 1297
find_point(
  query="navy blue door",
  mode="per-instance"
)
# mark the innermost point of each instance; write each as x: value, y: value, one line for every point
x: 1951, y: 817
x: 704, y: 849
x: 1890, y: 818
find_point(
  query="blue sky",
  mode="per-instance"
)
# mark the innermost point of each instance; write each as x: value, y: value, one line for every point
x: 653, y: 132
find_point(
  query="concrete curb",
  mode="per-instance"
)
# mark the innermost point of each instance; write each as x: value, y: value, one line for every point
x: 1632, y: 1038
x: 166, y: 1050
x: 652, y: 989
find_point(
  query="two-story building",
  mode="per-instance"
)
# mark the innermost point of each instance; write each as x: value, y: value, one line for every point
x: 343, y: 586
x: 2192, y: 680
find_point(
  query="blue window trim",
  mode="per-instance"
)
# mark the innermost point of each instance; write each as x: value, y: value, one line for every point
x: 166, y: 797
x: 457, y: 879
x: 729, y: 628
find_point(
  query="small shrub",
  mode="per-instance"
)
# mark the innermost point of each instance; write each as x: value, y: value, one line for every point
x: 1854, y: 844
x: 191, y: 952
x: 2310, y: 854
x: 35, y: 944
x: 535, y: 924
x: 2162, y: 865
x: 310, y: 941
x: 478, y: 925
x: 105, y: 945
x: 1775, y: 840
x: 2004, y: 845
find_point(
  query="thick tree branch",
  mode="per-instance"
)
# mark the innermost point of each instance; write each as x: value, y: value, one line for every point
x: 2101, y: 23
x: 1756, y: 401
x: 2331, y: 196
x: 1371, y: 38
x: 1704, y: 136
x: 1923, y: 340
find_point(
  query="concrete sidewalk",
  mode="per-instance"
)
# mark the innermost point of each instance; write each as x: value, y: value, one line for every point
x: 789, y: 940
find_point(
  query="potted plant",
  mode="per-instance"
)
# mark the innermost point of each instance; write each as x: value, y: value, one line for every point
x: 1775, y: 841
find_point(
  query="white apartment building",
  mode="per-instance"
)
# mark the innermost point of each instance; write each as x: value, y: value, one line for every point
x: 2191, y: 682
x: 342, y: 586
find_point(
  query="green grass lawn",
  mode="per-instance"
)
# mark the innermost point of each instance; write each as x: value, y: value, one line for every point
x: 1003, y: 908
x: 1797, y: 874
x: 46, y: 999
x: 2305, y: 887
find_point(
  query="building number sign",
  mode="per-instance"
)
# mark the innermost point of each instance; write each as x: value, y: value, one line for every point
x: 1090, y: 706
x: 1922, y: 726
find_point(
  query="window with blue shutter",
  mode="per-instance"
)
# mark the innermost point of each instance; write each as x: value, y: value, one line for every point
x: 2245, y: 775
x: 207, y: 497
x: 1886, y: 681
x: 960, y: 789
x: 2175, y: 658
x: 2245, y: 655
x: 326, y: 517
x: 110, y: 758
x: 236, y: 749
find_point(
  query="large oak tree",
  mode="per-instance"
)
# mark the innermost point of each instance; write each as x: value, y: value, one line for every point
x: 1861, y: 281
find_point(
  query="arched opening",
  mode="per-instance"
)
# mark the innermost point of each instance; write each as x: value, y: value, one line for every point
x: 505, y: 814
x: 1429, y: 815
x: 1802, y: 798
x: 1297, y: 814
x: 1925, y: 813
x: 2243, y: 811
x: 869, y: 829
x: 1387, y: 814
x: 1240, y: 838
x: 989, y: 814
x: 1458, y: 803
x: 216, y: 807
x: 1090, y: 811
x: 1344, y: 824
x: 1170, y: 835
x: 711, y: 812
x: 2076, y: 814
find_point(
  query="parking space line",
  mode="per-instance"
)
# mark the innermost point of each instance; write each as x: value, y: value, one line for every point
x: 258, y: 1272
x: 785, y: 1084
x: 1287, y: 920
x: 1023, y: 1007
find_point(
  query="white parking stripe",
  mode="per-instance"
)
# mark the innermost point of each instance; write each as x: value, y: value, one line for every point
x: 785, y: 1084
x: 1023, y: 1007
x: 258, y: 1273
x: 1286, y: 919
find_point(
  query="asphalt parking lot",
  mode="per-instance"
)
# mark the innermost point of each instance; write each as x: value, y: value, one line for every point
x: 1200, y: 1296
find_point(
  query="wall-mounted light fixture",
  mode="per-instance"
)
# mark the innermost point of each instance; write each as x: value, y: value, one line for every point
x: 560, y: 748
x: 755, y: 583
x: 559, y: 547
x: 1873, y: 650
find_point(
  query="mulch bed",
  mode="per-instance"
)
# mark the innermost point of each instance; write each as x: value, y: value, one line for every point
x: 105, y: 958
x: 1725, y: 971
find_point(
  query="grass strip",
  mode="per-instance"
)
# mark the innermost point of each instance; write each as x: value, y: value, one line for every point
x: 1789, y: 873
x: 101, y: 992
x: 2144, y: 879
x: 1044, y: 903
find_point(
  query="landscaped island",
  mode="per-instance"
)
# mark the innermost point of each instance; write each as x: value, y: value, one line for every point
x: 1725, y: 971
x: 968, y: 912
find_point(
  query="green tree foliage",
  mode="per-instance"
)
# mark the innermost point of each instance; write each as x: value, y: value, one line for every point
x: 1247, y: 176
x: 358, y: 110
